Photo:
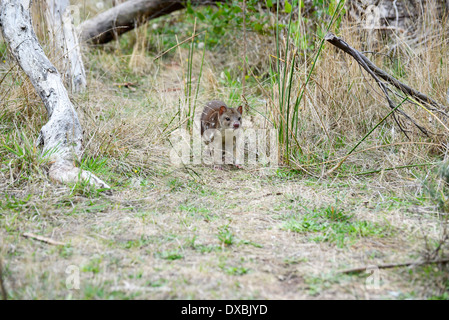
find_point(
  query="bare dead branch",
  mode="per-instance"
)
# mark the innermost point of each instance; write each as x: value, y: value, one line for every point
x: 379, y: 74
x: 42, y: 239
x: 396, y: 265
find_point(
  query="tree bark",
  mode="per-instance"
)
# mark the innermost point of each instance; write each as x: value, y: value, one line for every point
x: 129, y: 15
x: 62, y: 135
x: 65, y: 40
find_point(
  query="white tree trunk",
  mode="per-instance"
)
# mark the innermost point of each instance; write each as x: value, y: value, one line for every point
x: 62, y: 136
x: 65, y: 40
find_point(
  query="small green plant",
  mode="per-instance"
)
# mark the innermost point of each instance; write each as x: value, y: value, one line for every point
x: 85, y: 188
x: 230, y: 80
x: 331, y: 224
x: 225, y: 235
x: 97, y: 165
x: 66, y: 251
x: 317, y: 284
x: 294, y: 260
x: 94, y: 292
x: 170, y: 255
x: 21, y: 153
x: 93, y: 265
x: 193, y: 209
x: 157, y: 283
x: 203, y: 248
x: 440, y: 192
x: 443, y: 296
x: 3, y: 51
x: 12, y: 203
x: 176, y: 184
x: 143, y: 241
x: 236, y: 271
x: 251, y: 243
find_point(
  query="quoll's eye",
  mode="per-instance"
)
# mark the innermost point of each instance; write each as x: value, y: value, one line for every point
x: 240, y: 119
x: 227, y: 119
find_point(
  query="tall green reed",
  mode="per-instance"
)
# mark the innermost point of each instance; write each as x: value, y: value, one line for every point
x: 288, y: 93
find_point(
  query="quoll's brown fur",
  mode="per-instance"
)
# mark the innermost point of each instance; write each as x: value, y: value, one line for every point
x: 216, y: 115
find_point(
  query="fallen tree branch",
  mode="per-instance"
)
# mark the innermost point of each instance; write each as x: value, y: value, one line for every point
x: 129, y: 15
x: 43, y: 239
x: 379, y: 74
x: 395, y: 265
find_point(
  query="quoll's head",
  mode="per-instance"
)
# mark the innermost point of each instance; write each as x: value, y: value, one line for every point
x: 230, y: 118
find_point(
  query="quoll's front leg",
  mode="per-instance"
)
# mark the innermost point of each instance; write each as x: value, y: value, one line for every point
x: 212, y: 150
x: 238, y: 150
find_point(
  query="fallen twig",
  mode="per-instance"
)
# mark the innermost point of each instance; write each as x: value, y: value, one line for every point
x: 395, y: 265
x: 128, y: 85
x: 43, y: 239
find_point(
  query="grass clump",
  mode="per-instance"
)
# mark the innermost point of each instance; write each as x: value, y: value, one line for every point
x: 332, y: 224
x: 225, y: 235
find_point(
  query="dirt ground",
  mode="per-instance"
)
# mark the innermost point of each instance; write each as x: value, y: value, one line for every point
x: 223, y: 237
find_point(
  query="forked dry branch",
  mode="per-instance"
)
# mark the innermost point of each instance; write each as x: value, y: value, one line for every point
x: 379, y: 75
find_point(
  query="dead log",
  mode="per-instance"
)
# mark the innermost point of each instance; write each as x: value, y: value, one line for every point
x: 128, y: 15
x: 62, y: 135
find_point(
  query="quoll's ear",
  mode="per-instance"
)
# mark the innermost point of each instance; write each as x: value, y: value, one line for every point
x: 222, y: 110
x: 240, y: 109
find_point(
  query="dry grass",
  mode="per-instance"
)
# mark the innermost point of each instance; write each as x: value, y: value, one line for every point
x: 190, y: 232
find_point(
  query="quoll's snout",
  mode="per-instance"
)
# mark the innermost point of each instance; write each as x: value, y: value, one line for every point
x: 236, y: 125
